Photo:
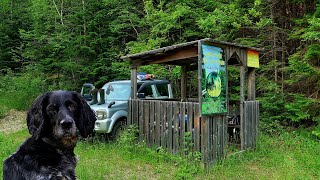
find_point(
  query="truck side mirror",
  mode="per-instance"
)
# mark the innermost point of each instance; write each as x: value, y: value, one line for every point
x: 141, y: 95
x: 87, y: 97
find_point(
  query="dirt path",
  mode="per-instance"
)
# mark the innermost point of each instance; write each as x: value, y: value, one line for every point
x: 13, y: 121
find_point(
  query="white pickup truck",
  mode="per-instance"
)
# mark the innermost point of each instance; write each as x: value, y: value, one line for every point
x: 111, y: 107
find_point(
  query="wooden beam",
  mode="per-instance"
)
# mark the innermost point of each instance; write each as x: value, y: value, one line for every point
x: 190, y: 52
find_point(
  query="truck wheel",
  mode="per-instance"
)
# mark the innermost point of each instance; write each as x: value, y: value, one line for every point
x: 116, y: 131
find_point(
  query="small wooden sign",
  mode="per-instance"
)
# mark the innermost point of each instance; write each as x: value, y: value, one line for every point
x: 253, y: 59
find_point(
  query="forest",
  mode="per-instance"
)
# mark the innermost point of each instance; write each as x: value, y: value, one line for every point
x: 61, y: 44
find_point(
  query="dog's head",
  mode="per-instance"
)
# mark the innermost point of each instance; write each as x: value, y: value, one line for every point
x: 57, y: 115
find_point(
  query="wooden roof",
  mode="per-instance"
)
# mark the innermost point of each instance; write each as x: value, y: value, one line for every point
x: 179, y: 54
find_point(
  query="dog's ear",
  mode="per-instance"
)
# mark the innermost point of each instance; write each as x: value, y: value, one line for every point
x: 36, y: 115
x: 86, y: 116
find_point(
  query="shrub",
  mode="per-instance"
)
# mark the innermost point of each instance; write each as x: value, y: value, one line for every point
x: 18, y: 90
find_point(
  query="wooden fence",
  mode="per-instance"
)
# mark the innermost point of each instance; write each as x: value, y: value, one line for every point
x: 166, y: 124
x: 250, y: 124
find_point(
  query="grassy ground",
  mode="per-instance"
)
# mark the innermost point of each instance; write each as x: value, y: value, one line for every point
x: 291, y: 155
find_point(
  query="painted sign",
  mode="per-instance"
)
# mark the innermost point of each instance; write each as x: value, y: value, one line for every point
x: 253, y: 59
x: 214, y: 82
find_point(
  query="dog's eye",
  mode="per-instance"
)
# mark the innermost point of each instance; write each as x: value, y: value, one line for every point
x: 52, y: 109
x: 72, y: 107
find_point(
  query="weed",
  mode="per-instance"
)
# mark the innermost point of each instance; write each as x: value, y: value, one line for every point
x: 289, y: 155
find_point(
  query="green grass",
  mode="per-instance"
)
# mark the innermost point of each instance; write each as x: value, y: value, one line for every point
x: 291, y: 155
x: 109, y: 161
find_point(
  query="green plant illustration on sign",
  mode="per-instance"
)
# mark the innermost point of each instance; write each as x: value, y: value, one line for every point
x: 214, y: 86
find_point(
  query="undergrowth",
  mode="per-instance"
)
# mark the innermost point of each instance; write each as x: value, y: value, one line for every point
x: 19, y: 90
x: 291, y: 154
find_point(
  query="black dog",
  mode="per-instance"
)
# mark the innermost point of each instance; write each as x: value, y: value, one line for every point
x: 54, y: 121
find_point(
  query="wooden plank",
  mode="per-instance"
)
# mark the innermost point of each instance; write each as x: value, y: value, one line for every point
x: 210, y: 140
x: 245, y: 122
x: 251, y: 124
x: 184, y: 83
x: 253, y: 119
x: 152, y: 123
x: 221, y: 137
x: 163, y: 108
x: 133, y: 111
x: 157, y: 126
x: 242, y: 116
x: 218, y: 140
x: 141, y: 120
x: 170, y: 125
x: 166, y: 128
x: 134, y: 83
x: 176, y: 132
x: 129, y: 118
x: 171, y: 48
x: 136, y: 112
x: 146, y: 118
x: 161, y: 123
x: 225, y: 135
x: 251, y: 109
x: 186, y: 53
x: 204, y: 139
x: 257, y: 121
x: 182, y: 115
x: 254, y: 125
x: 190, y: 115
x: 227, y: 55
x: 189, y: 125
x: 196, y: 127
x: 214, y: 141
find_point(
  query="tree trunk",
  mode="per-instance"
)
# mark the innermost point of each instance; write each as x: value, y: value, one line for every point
x: 84, y: 19
x: 60, y: 13
x: 274, y: 39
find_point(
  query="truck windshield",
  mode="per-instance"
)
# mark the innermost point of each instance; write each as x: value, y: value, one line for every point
x: 120, y: 91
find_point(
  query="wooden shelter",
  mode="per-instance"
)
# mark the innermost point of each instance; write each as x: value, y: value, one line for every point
x: 206, y: 120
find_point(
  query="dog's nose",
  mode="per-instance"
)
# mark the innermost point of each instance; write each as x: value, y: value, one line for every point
x: 66, y: 123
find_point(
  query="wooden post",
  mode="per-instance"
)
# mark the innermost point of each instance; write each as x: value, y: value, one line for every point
x: 251, y: 84
x: 184, y: 83
x: 200, y: 77
x: 134, y: 83
x: 242, y: 99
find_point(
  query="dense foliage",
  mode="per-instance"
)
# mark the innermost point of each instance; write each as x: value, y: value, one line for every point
x: 55, y: 44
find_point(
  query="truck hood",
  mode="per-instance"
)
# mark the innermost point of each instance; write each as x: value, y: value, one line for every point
x: 118, y: 104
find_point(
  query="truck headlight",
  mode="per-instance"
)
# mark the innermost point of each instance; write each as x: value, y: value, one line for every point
x: 101, y: 114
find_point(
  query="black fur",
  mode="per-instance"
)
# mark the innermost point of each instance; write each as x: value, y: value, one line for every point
x: 54, y: 121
